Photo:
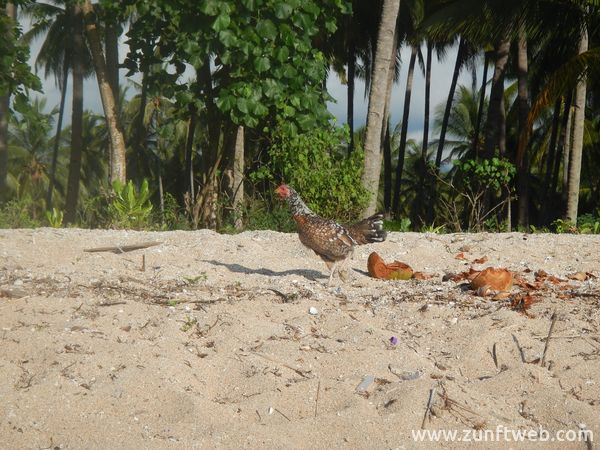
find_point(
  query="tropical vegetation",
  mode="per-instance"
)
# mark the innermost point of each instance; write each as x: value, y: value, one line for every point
x: 207, y: 105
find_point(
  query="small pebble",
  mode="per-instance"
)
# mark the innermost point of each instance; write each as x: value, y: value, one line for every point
x: 313, y: 311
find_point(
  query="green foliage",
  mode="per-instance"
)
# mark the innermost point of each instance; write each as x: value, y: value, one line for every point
x: 495, y: 173
x: 55, y: 218
x: 130, y: 208
x: 15, y: 73
x: 174, y: 215
x: 261, y: 217
x: 94, y: 210
x: 402, y: 225
x: 495, y: 225
x: 439, y: 229
x: 196, y: 279
x: 314, y: 163
x: 17, y: 214
x: 189, y: 323
x: 265, y: 60
x: 588, y: 224
x: 564, y: 226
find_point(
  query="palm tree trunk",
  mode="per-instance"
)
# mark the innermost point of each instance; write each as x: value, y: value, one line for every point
x: 4, y: 110
x: 61, y: 113
x: 387, y: 169
x: 577, y: 148
x: 427, y: 104
x: 350, y: 92
x: 238, y: 179
x: 475, y: 147
x: 161, y: 192
x: 550, y: 161
x: 419, y: 210
x: 111, y: 44
x: 562, y: 144
x: 457, y: 66
x: 523, y: 102
x: 189, y: 150
x: 139, y: 132
x: 76, y: 118
x: 386, y: 138
x: 404, y: 131
x: 494, y: 123
x: 117, y: 141
x: 11, y: 11
x: 566, y: 156
x: 381, y: 67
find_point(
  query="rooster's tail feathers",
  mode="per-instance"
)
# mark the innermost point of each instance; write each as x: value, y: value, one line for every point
x: 368, y: 230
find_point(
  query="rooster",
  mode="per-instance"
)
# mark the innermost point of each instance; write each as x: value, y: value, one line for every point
x: 333, y: 242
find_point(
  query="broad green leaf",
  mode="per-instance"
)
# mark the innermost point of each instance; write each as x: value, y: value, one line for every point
x: 210, y: 7
x: 270, y: 88
x: 227, y: 38
x: 242, y: 105
x: 221, y: 23
x: 283, y: 10
x: 262, y: 64
x: 282, y: 53
x: 249, y: 4
x: 266, y: 29
x: 306, y: 121
x: 225, y: 103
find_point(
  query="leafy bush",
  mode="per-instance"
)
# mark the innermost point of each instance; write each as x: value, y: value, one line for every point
x: 564, y: 226
x: 174, y: 215
x: 477, y: 192
x: 130, y: 208
x: 402, y: 225
x: 588, y: 224
x: 55, y: 218
x: 260, y: 217
x: 94, y: 210
x: 17, y: 214
x: 316, y: 165
x: 492, y: 173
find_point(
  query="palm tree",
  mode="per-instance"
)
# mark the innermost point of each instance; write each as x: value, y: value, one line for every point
x: 77, y: 117
x: 30, y: 147
x: 480, y: 110
x: 577, y: 148
x: 381, y: 67
x: 117, y: 141
x: 462, y: 123
x: 11, y: 13
x: 523, y: 106
x: 457, y: 67
x: 64, y: 49
x: 403, y: 133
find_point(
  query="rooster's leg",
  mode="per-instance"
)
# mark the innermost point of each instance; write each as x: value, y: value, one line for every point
x: 332, y: 267
x: 343, y: 270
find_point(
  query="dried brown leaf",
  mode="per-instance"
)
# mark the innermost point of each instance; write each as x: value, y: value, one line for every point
x: 394, y: 271
x: 496, y: 278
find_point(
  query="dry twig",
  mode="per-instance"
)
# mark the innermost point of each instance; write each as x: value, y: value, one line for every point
x: 547, y: 344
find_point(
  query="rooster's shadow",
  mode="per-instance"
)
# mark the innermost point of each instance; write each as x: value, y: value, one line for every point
x: 312, y: 275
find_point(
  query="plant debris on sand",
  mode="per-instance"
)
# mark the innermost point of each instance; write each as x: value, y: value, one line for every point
x: 207, y: 340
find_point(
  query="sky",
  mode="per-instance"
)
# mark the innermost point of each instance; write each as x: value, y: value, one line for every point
x: 441, y: 76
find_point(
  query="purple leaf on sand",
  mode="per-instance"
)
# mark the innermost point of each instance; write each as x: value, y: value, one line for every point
x: 393, y: 340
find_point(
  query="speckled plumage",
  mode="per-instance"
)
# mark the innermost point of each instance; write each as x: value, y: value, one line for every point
x: 330, y: 240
